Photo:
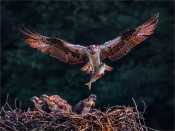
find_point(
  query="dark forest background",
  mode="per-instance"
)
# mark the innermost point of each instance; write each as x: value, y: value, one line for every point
x: 145, y: 73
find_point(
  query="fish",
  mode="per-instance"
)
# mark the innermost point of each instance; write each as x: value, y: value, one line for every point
x: 98, y: 74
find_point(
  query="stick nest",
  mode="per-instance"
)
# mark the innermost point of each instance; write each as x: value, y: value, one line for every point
x: 118, y: 118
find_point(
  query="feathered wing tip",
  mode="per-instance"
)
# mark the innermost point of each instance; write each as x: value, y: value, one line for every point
x: 148, y: 27
x: 28, y: 32
x: 121, y: 45
x: 153, y: 20
x: 32, y: 37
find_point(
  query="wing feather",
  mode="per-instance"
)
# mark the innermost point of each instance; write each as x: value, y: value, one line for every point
x: 79, y: 107
x: 57, y: 48
x: 121, y: 45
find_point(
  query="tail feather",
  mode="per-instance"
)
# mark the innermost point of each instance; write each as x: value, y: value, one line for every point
x: 89, y: 85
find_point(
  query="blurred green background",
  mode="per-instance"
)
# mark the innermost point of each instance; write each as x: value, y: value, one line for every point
x: 145, y: 73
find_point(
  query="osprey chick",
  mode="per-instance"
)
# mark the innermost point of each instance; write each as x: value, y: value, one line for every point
x: 40, y: 104
x: 56, y: 103
x: 85, y: 106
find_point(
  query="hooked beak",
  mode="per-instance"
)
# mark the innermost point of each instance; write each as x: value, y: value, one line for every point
x: 33, y: 99
x: 95, y: 99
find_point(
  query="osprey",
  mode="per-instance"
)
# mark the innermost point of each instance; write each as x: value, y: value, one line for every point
x: 91, y: 55
x: 85, y: 106
x: 40, y: 104
x: 56, y: 103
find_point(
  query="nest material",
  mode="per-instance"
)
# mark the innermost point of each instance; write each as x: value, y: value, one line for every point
x: 118, y: 118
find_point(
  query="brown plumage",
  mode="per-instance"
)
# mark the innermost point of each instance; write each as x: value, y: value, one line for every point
x: 56, y: 103
x: 55, y: 47
x: 40, y: 104
x: 93, y: 54
x: 85, y: 106
x: 121, y: 45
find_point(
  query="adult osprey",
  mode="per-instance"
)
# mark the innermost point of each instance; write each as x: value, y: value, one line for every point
x: 91, y: 55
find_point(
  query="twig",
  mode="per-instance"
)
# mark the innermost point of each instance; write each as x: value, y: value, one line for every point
x: 6, y: 102
x: 117, y: 117
x: 6, y: 126
x: 144, y: 107
x: 4, y: 111
x: 20, y: 103
x: 2, y: 129
x: 49, y: 124
x: 15, y: 102
x: 136, y: 110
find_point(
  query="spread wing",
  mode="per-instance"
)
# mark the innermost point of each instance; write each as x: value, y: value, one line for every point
x: 121, y: 45
x: 57, y: 48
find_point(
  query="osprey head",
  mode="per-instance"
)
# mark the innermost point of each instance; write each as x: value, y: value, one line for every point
x: 44, y: 97
x: 92, y: 49
x: 34, y: 99
x: 92, y: 97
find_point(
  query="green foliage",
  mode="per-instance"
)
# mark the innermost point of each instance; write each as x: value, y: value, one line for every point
x: 146, y: 73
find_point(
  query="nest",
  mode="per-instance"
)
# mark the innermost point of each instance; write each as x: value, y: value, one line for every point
x: 118, y: 118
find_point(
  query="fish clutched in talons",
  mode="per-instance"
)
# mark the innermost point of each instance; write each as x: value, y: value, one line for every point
x: 88, y: 68
x: 98, y: 73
